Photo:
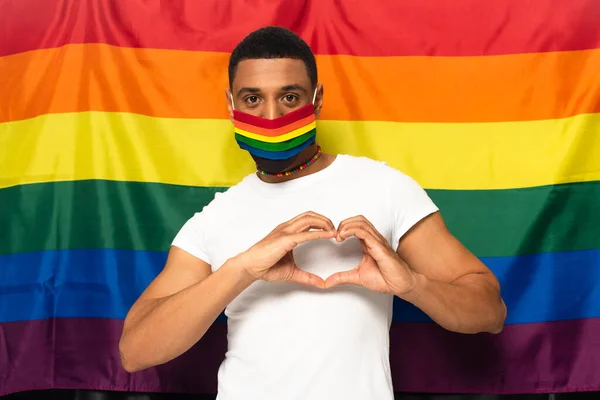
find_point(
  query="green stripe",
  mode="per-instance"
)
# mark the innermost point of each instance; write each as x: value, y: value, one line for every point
x: 513, y: 222
x: 96, y: 214
x: 282, y: 146
x: 146, y: 216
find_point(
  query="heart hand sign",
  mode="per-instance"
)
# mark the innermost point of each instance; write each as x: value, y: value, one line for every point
x: 380, y: 269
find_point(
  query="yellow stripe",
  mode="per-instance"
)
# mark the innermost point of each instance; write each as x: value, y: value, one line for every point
x: 120, y: 146
x: 278, y: 139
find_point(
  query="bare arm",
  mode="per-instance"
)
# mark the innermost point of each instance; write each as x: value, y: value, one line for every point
x: 452, y: 286
x: 177, y: 309
x: 183, y: 301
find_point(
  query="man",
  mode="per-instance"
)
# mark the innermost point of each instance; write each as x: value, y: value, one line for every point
x: 305, y: 255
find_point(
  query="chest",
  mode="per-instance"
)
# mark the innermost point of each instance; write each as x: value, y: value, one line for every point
x: 254, y: 218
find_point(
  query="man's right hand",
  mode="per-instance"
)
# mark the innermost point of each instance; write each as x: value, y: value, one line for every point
x: 272, y: 259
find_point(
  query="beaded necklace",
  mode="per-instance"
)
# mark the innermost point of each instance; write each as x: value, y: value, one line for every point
x: 294, y: 170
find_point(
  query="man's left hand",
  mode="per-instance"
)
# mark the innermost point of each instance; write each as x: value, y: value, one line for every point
x: 381, y: 268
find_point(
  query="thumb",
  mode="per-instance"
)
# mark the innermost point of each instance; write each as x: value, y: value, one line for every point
x: 306, y: 278
x: 350, y: 277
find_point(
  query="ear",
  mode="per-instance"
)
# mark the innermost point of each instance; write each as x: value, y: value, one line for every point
x: 319, y: 100
x: 228, y: 99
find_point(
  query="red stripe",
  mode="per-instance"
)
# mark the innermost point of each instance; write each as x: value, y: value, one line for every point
x: 364, y: 28
x: 529, y: 358
x: 275, y: 132
x: 289, y: 118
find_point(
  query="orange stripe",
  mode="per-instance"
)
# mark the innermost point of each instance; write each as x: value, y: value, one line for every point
x: 275, y: 132
x: 170, y: 83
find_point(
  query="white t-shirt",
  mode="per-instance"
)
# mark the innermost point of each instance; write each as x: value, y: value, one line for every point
x: 287, y: 341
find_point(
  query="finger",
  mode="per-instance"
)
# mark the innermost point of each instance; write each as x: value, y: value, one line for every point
x: 285, y: 224
x: 362, y: 226
x: 362, y: 221
x: 304, y: 214
x: 357, y: 225
x: 362, y: 234
x: 290, y: 242
x: 363, y: 246
x: 303, y: 237
x: 351, y: 277
x: 306, y: 278
x: 356, y: 218
x: 308, y: 222
x: 311, y: 214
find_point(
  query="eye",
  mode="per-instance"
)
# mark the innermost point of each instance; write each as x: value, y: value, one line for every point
x: 252, y: 100
x: 290, y: 98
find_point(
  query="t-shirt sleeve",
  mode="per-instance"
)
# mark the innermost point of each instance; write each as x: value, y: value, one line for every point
x: 191, y: 238
x: 410, y: 203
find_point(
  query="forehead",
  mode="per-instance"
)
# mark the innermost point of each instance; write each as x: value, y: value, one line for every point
x: 271, y: 74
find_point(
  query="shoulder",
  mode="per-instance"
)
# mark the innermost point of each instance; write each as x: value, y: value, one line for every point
x: 351, y: 161
x: 402, y: 189
x: 223, y: 202
x: 195, y: 235
x: 376, y: 170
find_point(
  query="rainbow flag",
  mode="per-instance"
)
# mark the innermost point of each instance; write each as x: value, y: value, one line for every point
x: 114, y: 131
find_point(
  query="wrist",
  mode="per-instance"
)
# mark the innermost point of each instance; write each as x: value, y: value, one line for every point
x: 237, y: 268
x: 416, y: 290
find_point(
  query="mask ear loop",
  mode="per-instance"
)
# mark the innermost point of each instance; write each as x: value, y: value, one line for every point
x: 232, y: 106
x: 314, y: 97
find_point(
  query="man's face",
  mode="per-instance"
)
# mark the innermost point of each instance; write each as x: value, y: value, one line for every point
x: 271, y: 88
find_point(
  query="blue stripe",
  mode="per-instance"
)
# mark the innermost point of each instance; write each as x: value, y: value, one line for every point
x: 538, y: 288
x: 276, y: 155
x: 104, y: 284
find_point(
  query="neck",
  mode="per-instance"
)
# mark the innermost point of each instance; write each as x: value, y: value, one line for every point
x: 321, y: 163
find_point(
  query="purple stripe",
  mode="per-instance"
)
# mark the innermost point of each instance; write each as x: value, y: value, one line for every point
x: 529, y: 358
x: 525, y: 358
x: 82, y: 353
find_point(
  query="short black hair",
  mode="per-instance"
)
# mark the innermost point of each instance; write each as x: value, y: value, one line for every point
x: 273, y: 42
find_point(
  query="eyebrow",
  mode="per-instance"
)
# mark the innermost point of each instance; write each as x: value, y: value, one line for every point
x: 248, y: 90
x: 286, y: 88
x: 293, y: 87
